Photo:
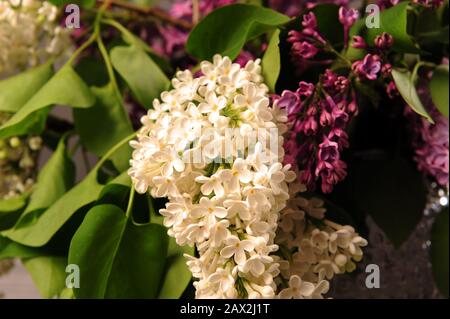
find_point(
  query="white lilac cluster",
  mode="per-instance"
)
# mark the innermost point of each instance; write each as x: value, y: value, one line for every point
x: 18, y: 163
x: 29, y: 35
x: 226, y: 205
x: 312, y: 249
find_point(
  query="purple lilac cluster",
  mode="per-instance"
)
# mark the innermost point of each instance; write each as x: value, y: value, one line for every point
x: 319, y: 114
x: 430, y: 141
x: 318, y: 117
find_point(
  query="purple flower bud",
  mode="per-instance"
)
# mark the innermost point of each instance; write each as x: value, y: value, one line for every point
x: 352, y: 108
x: 305, y: 88
x: 294, y: 36
x: 348, y: 16
x: 304, y: 50
x: 309, y: 21
x: 328, y: 79
x: 386, y: 69
x: 341, y: 84
x: 391, y: 90
x: 384, y: 41
x: 358, y: 42
x: 326, y: 118
x: 310, y: 126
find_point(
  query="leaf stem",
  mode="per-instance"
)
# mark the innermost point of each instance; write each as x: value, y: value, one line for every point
x: 130, y: 202
x: 94, y: 36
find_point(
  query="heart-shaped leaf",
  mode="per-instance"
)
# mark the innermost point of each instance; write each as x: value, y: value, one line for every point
x: 143, y: 76
x: 225, y: 30
x: 14, y: 94
x: 64, y: 88
x: 117, y: 258
x: 105, y: 124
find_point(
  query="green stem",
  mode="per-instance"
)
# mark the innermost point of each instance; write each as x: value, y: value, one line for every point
x: 130, y: 202
x: 82, y: 47
x: 339, y: 55
x: 417, y: 67
x: 109, y: 67
x: 94, y: 36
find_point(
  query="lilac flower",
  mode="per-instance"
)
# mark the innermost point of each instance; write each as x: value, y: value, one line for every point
x: 369, y: 67
x: 384, y: 41
x: 318, y: 116
x: 305, y: 88
x: 305, y: 43
x: 391, y: 90
x: 430, y: 141
x: 358, y: 42
x: 290, y: 101
x: 304, y: 49
x: 347, y: 17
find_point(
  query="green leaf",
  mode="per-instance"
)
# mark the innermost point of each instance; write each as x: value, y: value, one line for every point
x: 11, y: 210
x: 129, y: 38
x: 10, y: 249
x: 439, y: 89
x: 393, y: 193
x: 36, y: 232
x: 227, y: 29
x: 93, y: 71
x: 105, y: 124
x: 439, y: 251
x: 395, y: 22
x: 55, y: 178
x: 48, y: 274
x: 271, y: 64
x: 14, y: 94
x: 143, y: 76
x: 64, y: 88
x: 177, y: 276
x: 405, y: 85
x: 13, y: 204
x: 117, y: 258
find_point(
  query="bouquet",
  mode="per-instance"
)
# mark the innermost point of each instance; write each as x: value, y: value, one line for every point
x: 219, y: 148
